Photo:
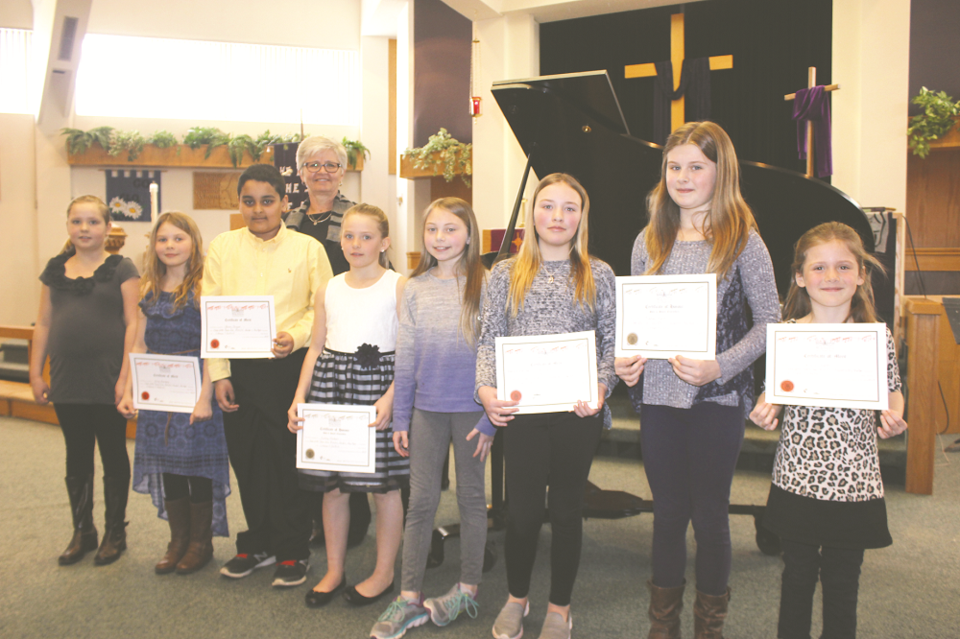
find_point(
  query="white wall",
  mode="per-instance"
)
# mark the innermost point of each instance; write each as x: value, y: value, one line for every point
x: 509, y: 50
x: 16, y: 14
x: 19, y: 289
x: 871, y: 53
x: 329, y: 24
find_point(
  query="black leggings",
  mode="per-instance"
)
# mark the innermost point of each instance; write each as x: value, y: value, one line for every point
x: 838, y: 571
x: 554, y: 449
x: 689, y: 455
x: 83, y: 425
x: 199, y: 489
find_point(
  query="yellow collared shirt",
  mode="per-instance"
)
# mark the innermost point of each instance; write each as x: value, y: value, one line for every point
x: 290, y: 266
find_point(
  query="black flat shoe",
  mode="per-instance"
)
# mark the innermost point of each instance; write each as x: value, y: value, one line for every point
x: 316, y: 599
x: 354, y: 598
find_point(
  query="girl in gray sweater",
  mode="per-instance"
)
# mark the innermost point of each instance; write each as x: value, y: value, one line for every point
x: 552, y: 287
x: 693, y: 411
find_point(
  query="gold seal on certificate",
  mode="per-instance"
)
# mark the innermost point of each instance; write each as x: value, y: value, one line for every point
x: 237, y: 327
x: 168, y: 383
x: 337, y: 437
x: 547, y: 373
x: 662, y: 316
x: 830, y: 365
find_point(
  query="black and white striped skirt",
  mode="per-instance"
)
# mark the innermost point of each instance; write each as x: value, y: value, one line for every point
x: 339, y: 378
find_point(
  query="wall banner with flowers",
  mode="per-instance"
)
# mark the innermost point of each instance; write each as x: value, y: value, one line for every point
x: 128, y: 194
x: 285, y: 159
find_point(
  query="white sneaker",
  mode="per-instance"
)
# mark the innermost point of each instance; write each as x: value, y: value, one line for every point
x: 509, y: 623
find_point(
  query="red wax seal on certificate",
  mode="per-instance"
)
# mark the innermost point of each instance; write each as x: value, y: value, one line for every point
x: 515, y: 396
x: 144, y: 395
x: 786, y: 386
x: 214, y: 343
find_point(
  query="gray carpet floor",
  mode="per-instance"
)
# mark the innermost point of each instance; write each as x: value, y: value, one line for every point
x: 911, y: 589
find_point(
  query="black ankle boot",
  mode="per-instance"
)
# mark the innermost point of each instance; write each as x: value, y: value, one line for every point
x: 114, y: 542
x: 80, y: 490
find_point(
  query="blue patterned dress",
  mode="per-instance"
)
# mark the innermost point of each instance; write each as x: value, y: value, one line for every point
x: 166, y: 442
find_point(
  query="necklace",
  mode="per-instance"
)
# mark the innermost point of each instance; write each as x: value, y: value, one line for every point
x: 321, y: 217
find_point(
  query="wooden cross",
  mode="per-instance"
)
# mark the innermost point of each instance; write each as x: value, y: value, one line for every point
x: 811, y: 82
x: 677, y: 46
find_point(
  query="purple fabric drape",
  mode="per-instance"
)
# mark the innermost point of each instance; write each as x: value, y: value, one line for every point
x: 813, y: 105
x: 694, y: 83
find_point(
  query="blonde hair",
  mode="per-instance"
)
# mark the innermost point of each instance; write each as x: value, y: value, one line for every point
x: 102, y: 208
x: 727, y: 224
x: 862, y: 308
x: 383, y: 224
x: 528, y: 258
x: 469, y: 264
x: 154, y: 270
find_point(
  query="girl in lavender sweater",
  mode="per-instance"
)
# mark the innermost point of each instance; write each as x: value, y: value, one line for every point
x: 433, y: 404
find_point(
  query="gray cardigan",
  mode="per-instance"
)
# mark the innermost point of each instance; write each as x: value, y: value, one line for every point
x: 750, y: 280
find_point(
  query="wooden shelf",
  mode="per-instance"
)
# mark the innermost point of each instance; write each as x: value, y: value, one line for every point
x: 180, y: 156
x: 410, y: 172
x: 949, y: 141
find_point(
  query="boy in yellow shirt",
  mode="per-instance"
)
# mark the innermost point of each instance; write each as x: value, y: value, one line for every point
x: 266, y: 258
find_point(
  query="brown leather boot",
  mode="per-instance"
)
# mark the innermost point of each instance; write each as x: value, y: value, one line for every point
x: 200, y: 550
x: 665, y: 607
x: 709, y: 613
x: 178, y: 516
x: 80, y: 490
x: 115, y: 493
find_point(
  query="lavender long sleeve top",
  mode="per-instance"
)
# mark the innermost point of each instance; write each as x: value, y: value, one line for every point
x: 435, y: 366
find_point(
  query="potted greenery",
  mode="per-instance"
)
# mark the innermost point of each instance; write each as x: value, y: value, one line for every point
x: 937, y: 120
x: 201, y: 147
x: 442, y: 155
x: 356, y: 153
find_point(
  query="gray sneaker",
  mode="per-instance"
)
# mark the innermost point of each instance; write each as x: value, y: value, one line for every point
x: 400, y: 616
x: 554, y: 627
x: 509, y: 623
x: 445, y: 609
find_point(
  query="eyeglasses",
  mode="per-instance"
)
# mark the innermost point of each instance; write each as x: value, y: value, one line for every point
x: 329, y: 167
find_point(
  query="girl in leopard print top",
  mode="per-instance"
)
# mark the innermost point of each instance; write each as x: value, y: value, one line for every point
x: 826, y: 501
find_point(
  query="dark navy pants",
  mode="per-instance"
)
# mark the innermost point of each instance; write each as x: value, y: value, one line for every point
x: 689, y: 455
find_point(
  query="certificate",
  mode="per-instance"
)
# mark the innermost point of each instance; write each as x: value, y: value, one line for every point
x: 165, y: 382
x: 337, y: 437
x: 662, y: 316
x: 237, y: 327
x: 831, y: 365
x: 547, y: 373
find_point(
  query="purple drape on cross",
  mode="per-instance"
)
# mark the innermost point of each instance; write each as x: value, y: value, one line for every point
x: 814, y: 105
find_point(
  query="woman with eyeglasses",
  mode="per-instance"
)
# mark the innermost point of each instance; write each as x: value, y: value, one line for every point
x: 321, y: 164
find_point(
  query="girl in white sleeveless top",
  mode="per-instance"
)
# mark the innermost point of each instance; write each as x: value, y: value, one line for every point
x: 350, y: 361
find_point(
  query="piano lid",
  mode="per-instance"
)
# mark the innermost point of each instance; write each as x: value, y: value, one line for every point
x: 573, y: 123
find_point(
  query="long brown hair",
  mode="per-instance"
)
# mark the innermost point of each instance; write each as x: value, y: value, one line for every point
x: 728, y: 223
x: 469, y: 264
x: 862, y: 308
x: 528, y: 258
x: 154, y: 270
x: 102, y: 208
x: 383, y: 224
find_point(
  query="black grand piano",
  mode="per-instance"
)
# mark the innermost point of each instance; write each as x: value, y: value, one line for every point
x: 573, y: 123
